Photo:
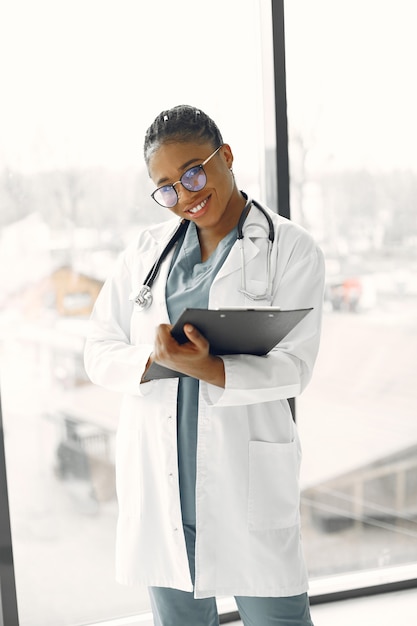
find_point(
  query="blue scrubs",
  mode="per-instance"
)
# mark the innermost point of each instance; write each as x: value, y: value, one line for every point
x: 188, y: 285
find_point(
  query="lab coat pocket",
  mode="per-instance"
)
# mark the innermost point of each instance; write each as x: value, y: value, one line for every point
x: 274, y: 490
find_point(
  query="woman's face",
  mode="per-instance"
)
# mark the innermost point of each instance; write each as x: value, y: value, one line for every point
x: 218, y: 203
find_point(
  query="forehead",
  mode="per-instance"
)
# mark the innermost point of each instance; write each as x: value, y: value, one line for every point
x: 171, y: 159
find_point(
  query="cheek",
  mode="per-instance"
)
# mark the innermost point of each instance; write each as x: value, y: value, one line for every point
x: 175, y: 210
x: 225, y: 188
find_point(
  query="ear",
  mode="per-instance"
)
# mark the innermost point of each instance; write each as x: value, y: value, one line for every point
x: 227, y: 153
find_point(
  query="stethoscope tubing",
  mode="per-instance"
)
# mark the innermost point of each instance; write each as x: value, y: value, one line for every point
x: 244, y: 215
x: 153, y: 272
x: 143, y: 299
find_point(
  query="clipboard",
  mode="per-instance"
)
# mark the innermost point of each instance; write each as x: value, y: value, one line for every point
x: 233, y: 331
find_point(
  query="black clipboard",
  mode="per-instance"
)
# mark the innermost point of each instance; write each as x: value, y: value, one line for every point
x: 233, y: 331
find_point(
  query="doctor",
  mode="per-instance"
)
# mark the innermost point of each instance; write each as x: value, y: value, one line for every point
x: 207, y: 465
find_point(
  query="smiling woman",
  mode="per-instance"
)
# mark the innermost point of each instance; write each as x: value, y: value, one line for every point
x: 185, y: 542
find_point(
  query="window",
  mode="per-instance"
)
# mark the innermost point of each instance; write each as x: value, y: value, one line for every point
x: 84, y: 80
x: 351, y: 108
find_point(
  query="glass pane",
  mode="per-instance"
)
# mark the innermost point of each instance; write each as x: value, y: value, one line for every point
x: 84, y: 80
x: 351, y: 106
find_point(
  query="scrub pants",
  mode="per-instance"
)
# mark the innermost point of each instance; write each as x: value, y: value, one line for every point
x: 171, y: 607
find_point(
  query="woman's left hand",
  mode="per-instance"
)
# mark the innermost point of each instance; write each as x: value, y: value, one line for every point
x: 192, y: 358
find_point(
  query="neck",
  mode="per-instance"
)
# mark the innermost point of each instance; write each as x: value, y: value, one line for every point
x: 210, y: 237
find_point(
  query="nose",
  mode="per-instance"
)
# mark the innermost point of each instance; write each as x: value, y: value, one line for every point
x: 182, y: 192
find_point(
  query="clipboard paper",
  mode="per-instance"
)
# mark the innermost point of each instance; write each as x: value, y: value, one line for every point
x: 233, y: 331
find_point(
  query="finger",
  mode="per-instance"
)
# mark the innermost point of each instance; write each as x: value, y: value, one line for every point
x: 163, y: 333
x: 163, y: 340
x: 195, y: 336
x: 164, y: 328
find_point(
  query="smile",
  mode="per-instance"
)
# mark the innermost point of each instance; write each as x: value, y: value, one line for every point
x: 198, y: 208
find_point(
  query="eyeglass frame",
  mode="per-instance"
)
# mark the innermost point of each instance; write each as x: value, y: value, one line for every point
x: 201, y: 167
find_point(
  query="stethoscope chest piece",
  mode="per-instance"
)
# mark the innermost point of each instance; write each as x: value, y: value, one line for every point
x: 143, y: 299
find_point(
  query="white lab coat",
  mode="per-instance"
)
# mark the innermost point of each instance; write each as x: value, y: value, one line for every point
x: 248, y: 453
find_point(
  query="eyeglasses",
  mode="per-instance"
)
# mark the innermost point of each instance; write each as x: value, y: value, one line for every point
x: 193, y: 179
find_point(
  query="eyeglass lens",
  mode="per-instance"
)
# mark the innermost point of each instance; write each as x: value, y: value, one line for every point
x: 193, y: 179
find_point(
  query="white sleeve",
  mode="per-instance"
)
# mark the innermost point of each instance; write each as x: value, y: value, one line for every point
x: 110, y: 359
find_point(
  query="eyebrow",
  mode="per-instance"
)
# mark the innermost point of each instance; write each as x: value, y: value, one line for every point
x: 182, y: 168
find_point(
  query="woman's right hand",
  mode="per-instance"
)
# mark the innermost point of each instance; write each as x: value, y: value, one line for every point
x: 192, y: 358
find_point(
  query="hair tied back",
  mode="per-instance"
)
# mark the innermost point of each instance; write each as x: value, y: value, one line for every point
x: 183, y: 123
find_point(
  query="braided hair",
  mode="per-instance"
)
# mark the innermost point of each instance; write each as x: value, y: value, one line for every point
x: 182, y: 123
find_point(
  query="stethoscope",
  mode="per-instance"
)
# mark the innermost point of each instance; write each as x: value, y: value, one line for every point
x: 143, y: 299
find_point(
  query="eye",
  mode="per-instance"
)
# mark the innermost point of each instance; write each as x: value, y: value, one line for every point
x: 166, y: 189
x: 194, y: 179
x: 191, y: 173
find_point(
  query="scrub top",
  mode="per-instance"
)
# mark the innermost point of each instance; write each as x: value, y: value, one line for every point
x: 188, y: 285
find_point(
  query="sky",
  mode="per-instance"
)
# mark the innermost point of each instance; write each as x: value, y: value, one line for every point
x: 83, y: 79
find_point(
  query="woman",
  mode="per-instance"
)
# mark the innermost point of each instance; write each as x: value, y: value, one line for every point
x: 207, y: 464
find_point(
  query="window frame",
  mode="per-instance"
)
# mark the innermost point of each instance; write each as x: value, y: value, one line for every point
x: 8, y: 594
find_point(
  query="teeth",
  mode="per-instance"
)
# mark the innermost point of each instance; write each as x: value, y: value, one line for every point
x: 198, y: 208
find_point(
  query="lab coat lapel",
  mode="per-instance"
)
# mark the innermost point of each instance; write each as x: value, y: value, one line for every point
x: 155, y: 248
x: 160, y: 287
x: 147, y: 259
x: 251, y: 229
x: 233, y: 262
